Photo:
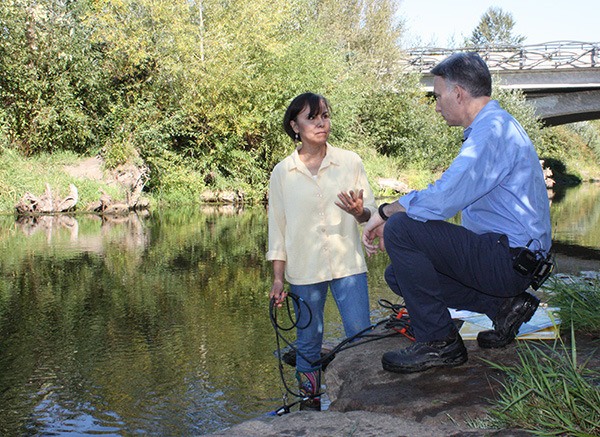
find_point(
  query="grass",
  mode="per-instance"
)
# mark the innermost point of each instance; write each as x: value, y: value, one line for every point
x: 549, y: 393
x: 19, y: 175
x: 579, y: 301
x: 552, y: 391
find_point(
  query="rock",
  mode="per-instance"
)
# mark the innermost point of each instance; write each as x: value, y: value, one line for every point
x: 393, y: 184
x: 69, y: 202
x: 26, y: 205
x: 47, y: 203
x: 218, y: 196
x: 369, y: 401
x: 437, y: 397
x: 548, y: 175
x: 117, y: 209
x: 333, y: 424
x: 130, y: 177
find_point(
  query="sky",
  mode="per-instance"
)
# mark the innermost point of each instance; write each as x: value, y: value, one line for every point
x: 439, y: 22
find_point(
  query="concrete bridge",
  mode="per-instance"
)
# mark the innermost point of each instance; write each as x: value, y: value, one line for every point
x: 561, y: 79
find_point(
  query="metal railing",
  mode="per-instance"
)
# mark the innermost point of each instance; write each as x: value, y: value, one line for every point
x: 551, y: 55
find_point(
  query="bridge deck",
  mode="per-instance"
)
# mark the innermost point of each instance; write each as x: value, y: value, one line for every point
x: 561, y: 79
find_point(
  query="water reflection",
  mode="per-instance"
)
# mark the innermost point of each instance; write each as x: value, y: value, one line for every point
x: 128, y: 229
x: 157, y: 324
x: 136, y: 326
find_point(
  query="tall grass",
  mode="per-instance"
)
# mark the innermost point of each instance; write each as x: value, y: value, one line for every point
x: 552, y: 391
x: 549, y: 393
x: 579, y: 303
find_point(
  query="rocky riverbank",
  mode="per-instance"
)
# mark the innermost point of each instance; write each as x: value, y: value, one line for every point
x: 368, y: 401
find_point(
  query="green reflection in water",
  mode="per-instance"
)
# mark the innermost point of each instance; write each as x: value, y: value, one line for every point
x: 157, y: 325
x: 576, y: 216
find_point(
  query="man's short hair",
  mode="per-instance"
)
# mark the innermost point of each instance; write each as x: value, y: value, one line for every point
x: 467, y: 70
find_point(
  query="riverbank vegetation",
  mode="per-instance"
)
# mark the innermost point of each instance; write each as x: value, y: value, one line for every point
x: 196, y: 91
x: 555, y: 390
x: 550, y: 392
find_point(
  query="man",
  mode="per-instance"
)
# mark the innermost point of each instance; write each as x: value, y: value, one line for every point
x: 497, y: 184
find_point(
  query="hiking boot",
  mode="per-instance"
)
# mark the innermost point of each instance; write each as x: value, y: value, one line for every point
x: 421, y: 356
x: 512, y: 314
x: 310, y: 386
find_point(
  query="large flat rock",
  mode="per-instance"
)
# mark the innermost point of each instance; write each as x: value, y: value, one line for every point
x: 451, y: 396
x: 369, y: 401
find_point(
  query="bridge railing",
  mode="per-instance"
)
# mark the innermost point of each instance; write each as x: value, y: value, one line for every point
x: 551, y: 55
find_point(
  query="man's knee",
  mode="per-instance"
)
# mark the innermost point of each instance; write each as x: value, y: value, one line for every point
x: 400, y: 228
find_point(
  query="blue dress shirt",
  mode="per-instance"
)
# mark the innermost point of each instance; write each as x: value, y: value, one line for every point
x: 496, y: 182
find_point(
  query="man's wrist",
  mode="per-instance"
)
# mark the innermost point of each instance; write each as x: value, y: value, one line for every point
x: 381, y: 212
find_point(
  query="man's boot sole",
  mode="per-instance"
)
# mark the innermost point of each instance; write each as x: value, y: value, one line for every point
x: 442, y: 362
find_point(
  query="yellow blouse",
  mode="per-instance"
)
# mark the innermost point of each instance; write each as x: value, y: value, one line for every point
x: 317, y: 240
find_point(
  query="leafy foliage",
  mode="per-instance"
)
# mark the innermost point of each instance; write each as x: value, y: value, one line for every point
x: 495, y: 29
x: 52, y: 92
x: 197, y: 89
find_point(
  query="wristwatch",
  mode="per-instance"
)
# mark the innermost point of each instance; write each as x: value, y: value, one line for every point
x: 381, y: 213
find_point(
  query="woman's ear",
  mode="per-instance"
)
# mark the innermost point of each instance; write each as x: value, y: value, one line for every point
x: 294, y: 125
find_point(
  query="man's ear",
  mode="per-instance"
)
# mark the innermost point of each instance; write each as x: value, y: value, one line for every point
x: 460, y: 93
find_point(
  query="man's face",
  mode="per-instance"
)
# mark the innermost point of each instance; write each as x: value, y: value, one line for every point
x: 446, y: 101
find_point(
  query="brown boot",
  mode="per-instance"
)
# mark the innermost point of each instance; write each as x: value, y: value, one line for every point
x: 310, y: 387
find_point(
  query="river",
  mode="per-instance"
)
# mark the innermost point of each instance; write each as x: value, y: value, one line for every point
x: 159, y: 324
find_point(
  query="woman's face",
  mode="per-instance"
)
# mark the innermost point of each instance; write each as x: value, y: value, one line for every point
x: 313, y: 130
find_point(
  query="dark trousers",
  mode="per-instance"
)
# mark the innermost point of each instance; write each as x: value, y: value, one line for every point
x: 436, y: 265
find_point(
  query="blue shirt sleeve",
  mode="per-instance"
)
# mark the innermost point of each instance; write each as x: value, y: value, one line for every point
x: 480, y: 166
x: 496, y: 182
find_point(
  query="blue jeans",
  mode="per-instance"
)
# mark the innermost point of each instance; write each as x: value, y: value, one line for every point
x: 436, y: 265
x: 351, y: 296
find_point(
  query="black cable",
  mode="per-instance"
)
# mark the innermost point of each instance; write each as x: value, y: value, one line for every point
x: 273, y: 316
x: 395, y: 322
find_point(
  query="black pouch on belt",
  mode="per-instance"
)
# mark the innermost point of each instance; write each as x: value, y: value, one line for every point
x: 535, y: 265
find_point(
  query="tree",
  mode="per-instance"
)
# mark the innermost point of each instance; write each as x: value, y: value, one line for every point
x: 495, y: 29
x: 52, y: 93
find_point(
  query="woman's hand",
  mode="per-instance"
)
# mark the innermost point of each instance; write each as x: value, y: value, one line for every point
x: 352, y: 203
x: 277, y: 292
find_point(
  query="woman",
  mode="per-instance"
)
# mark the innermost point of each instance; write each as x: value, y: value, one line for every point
x: 316, y: 197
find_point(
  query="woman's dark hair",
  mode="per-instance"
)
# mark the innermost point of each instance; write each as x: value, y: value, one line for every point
x: 298, y: 104
x: 467, y: 70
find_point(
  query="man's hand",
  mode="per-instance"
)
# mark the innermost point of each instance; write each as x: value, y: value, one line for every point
x: 353, y: 204
x: 373, y: 235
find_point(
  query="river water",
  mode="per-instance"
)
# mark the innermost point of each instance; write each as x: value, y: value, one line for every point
x: 159, y: 325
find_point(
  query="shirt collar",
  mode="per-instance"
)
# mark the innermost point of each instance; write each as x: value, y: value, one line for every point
x: 490, y: 106
x: 331, y: 157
